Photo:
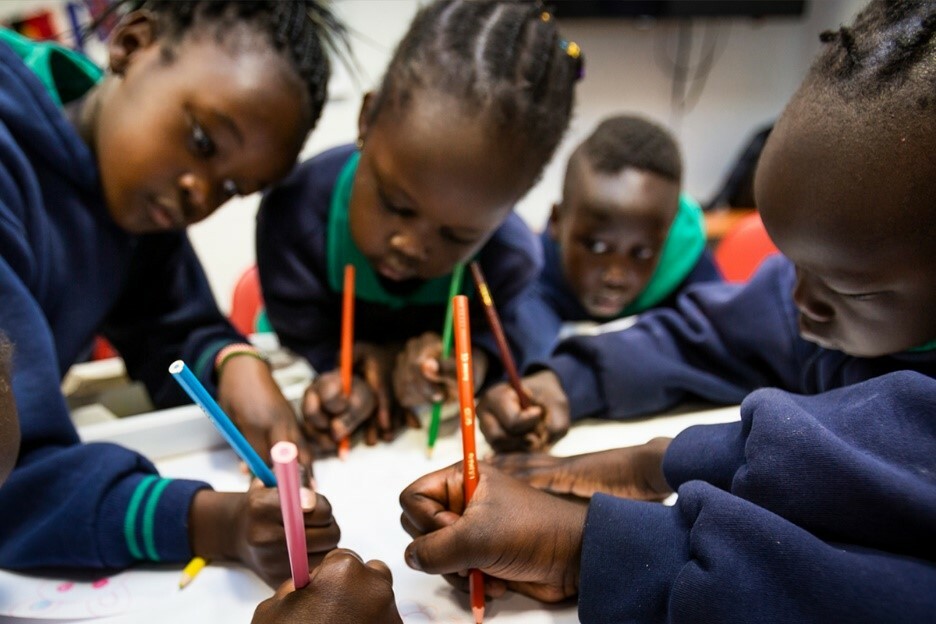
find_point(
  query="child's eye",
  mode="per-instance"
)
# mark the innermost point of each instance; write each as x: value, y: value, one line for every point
x: 643, y: 253
x: 394, y: 209
x: 455, y: 238
x: 862, y: 296
x: 201, y: 142
x: 596, y: 247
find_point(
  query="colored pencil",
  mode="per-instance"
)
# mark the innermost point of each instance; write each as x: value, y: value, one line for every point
x: 498, y: 330
x: 346, y: 356
x: 194, y: 388
x: 465, y: 375
x: 436, y: 418
x: 285, y: 463
x: 191, y: 571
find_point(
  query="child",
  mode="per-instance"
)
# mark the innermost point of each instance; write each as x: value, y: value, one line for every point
x: 811, y: 508
x: 99, y: 176
x: 474, y: 101
x: 851, y: 302
x: 622, y: 240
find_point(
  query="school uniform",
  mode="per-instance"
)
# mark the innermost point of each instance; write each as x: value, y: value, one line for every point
x: 550, y: 301
x: 304, y: 243
x: 720, y: 342
x: 68, y: 273
x: 810, y: 509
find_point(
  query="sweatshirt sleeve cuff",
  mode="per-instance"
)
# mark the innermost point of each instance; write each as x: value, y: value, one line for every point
x: 578, y: 382
x: 711, y: 453
x: 146, y: 518
x: 632, y: 552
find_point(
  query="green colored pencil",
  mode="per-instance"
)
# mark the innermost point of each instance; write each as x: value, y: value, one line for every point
x: 454, y: 288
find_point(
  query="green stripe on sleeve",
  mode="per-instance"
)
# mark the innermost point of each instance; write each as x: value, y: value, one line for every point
x: 149, y: 514
x: 130, y: 518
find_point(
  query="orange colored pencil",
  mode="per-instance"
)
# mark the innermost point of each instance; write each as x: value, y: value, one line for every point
x: 498, y: 330
x: 347, y: 347
x: 465, y: 374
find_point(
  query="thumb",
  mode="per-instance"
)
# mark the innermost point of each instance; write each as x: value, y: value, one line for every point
x: 445, y: 551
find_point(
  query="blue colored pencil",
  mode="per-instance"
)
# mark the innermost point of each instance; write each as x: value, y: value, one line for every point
x: 216, y: 415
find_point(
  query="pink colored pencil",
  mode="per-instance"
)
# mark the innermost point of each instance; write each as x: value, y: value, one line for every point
x: 286, y: 467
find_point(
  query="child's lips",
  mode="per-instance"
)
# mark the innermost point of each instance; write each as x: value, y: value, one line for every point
x: 395, y: 271
x: 163, y: 216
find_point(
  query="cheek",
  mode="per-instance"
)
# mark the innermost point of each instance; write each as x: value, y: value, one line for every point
x: 581, y: 269
x: 368, y: 227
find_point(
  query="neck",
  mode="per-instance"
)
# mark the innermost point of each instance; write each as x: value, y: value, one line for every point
x: 84, y: 112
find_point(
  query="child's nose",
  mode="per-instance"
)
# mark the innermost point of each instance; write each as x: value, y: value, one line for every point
x: 807, y: 302
x: 409, y: 244
x: 615, y: 274
x: 197, y: 195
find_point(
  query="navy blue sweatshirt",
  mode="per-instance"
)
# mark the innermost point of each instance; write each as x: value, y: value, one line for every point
x: 550, y: 302
x: 68, y: 273
x: 304, y: 308
x: 810, y: 509
x: 719, y: 343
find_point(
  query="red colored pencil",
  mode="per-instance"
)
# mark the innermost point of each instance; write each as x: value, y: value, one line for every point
x: 347, y: 347
x: 465, y: 375
x: 498, y: 330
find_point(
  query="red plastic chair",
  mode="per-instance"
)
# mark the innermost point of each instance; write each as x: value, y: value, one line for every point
x: 743, y: 248
x: 246, y: 302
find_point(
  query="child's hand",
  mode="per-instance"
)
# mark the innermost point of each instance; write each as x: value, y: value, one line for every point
x: 329, y: 415
x: 635, y: 472
x: 501, y: 532
x: 342, y: 589
x: 249, y: 395
x: 248, y: 527
x: 509, y: 428
x: 420, y: 377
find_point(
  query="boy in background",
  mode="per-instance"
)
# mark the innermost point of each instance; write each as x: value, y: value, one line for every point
x: 622, y: 240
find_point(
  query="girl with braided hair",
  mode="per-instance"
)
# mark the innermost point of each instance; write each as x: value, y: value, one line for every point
x: 475, y: 99
x: 100, y: 173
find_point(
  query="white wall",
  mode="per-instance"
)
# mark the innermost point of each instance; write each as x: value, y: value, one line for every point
x: 759, y: 67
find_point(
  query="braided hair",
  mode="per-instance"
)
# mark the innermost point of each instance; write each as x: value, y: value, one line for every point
x: 629, y: 141
x: 890, y: 48
x: 503, y: 61
x: 302, y: 32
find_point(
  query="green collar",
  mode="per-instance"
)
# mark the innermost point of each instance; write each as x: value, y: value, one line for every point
x: 66, y: 74
x: 928, y: 346
x: 684, y: 244
x: 342, y: 251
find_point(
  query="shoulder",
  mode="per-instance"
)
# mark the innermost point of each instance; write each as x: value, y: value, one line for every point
x: 305, y: 194
x: 514, y: 243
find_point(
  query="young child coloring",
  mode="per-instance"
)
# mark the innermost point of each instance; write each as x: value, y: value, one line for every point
x: 341, y: 589
x: 622, y: 240
x: 852, y: 301
x: 472, y: 105
x: 99, y: 175
x: 817, y: 506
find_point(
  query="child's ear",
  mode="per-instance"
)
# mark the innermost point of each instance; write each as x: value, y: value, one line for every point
x: 135, y: 32
x: 363, y: 117
x: 552, y: 226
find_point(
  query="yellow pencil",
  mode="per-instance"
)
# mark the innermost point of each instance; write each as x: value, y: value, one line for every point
x: 191, y: 571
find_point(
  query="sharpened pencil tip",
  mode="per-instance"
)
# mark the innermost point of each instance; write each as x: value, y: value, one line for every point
x: 478, y: 614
